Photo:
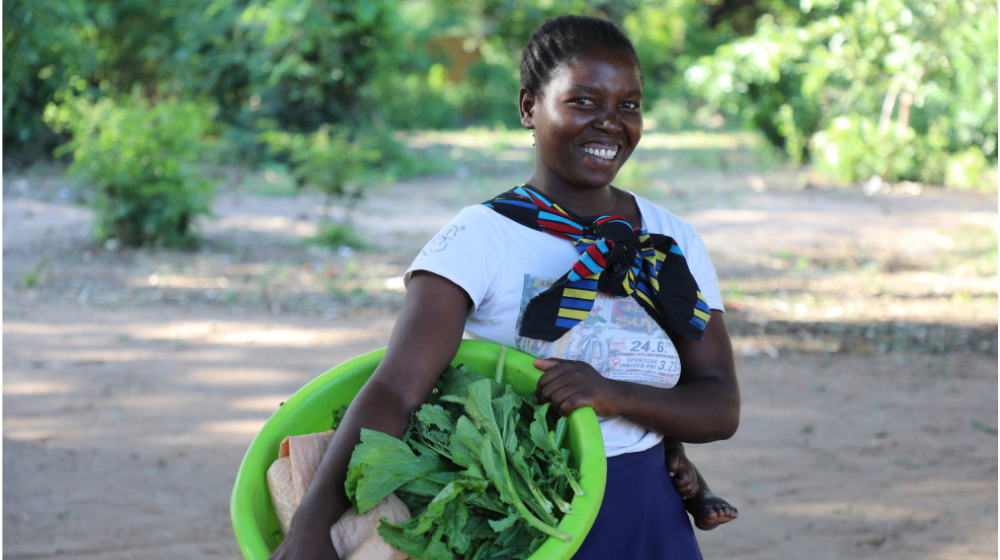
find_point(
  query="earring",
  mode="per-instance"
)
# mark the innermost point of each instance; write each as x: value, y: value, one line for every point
x: 532, y: 138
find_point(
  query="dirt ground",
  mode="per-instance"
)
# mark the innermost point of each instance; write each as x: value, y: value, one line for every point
x: 864, y: 327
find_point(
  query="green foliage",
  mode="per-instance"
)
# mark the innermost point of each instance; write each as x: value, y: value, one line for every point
x: 931, y: 63
x: 142, y: 160
x: 44, y: 50
x: 437, y: 99
x: 338, y: 416
x: 916, y: 80
x: 854, y: 149
x: 969, y: 170
x: 317, y: 62
x: 326, y: 160
x: 341, y: 164
x: 491, y: 92
x: 341, y: 167
x: 339, y: 234
x: 478, y: 467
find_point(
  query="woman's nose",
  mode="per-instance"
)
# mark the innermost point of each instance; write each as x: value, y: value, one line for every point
x: 609, y: 122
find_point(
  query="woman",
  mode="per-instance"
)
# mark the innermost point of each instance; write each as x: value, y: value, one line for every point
x: 581, y: 94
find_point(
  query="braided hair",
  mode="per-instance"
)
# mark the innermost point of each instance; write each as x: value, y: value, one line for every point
x: 562, y: 39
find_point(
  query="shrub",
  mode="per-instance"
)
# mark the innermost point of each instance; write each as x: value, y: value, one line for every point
x: 142, y: 159
x: 327, y: 161
x: 341, y: 165
x: 339, y: 234
x: 969, y: 170
x: 905, y: 79
x: 44, y: 49
x: 316, y: 62
x: 853, y: 148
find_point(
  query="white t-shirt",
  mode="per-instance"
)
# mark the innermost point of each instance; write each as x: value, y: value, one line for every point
x: 502, y: 265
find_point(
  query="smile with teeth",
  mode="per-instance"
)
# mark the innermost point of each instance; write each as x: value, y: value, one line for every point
x: 603, y: 153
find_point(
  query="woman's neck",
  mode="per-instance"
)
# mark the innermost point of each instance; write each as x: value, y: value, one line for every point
x: 582, y: 202
x: 591, y: 203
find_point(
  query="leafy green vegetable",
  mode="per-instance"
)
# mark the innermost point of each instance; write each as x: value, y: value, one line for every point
x: 479, y: 468
x: 338, y: 416
x: 384, y: 463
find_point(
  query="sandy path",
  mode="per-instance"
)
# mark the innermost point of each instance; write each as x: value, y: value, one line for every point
x: 123, y: 431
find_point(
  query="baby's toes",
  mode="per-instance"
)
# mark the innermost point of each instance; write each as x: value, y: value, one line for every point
x: 726, y: 510
x: 711, y: 513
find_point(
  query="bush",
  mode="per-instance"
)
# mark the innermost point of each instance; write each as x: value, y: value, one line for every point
x: 44, y: 50
x: 894, y: 78
x: 853, y: 148
x: 143, y: 161
x: 327, y: 161
x: 341, y: 163
x: 969, y: 170
x: 339, y: 234
x: 319, y: 62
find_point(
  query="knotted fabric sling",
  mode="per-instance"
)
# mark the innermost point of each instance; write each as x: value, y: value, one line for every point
x: 615, y: 260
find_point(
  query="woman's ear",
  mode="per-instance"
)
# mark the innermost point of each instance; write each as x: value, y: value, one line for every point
x: 526, y: 106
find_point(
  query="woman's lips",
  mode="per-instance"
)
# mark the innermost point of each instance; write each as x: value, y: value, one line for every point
x: 601, y: 151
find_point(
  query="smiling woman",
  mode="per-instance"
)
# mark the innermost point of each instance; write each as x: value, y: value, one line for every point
x: 614, y: 296
x: 581, y: 93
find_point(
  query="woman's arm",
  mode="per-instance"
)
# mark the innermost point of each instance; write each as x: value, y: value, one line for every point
x: 423, y: 343
x: 703, y: 407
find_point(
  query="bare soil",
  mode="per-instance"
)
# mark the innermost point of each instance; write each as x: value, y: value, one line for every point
x: 865, y: 331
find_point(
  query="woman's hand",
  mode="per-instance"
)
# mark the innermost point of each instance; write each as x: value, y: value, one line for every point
x: 570, y: 384
x: 704, y: 406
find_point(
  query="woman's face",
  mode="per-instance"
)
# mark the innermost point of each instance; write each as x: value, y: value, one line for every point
x: 587, y: 118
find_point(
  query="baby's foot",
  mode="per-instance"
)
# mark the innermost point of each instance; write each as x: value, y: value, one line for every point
x: 709, y: 511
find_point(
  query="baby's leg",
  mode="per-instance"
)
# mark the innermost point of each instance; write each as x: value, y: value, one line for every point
x: 708, y: 510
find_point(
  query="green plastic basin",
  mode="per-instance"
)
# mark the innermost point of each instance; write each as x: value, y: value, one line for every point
x: 310, y: 410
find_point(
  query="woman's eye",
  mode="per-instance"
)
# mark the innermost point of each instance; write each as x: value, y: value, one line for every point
x: 630, y: 105
x: 584, y: 102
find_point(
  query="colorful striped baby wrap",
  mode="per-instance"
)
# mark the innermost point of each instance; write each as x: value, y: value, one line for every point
x: 615, y: 260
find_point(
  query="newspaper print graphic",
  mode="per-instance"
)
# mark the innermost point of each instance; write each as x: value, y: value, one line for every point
x: 618, y: 339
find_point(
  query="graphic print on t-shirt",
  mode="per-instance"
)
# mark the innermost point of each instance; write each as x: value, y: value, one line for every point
x: 618, y: 339
x: 440, y: 241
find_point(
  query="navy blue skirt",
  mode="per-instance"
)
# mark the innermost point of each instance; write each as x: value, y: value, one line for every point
x: 642, y: 515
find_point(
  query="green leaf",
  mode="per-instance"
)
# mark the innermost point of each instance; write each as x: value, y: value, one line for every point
x: 433, y: 415
x: 547, y: 448
x: 447, y: 513
x: 503, y: 524
x: 381, y: 464
x: 465, y: 443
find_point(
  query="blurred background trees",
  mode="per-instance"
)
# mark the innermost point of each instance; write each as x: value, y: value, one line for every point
x: 901, y: 89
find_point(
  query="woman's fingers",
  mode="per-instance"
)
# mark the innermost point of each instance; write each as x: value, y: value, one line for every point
x: 562, y: 374
x: 568, y: 399
x: 545, y: 364
x: 554, y: 370
x: 554, y: 380
x: 569, y: 385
